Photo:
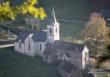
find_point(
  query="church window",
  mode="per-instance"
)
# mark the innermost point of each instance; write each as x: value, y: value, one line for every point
x: 85, y: 59
x: 29, y: 46
x: 86, y: 55
x: 50, y: 31
x: 46, y: 57
x: 20, y: 44
x: 40, y: 47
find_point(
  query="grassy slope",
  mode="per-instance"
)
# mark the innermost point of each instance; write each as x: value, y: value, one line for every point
x: 69, y: 29
x: 68, y: 9
x: 72, y: 30
x: 13, y: 64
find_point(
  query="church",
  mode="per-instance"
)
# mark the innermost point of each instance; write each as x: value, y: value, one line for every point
x: 47, y: 44
x: 32, y: 42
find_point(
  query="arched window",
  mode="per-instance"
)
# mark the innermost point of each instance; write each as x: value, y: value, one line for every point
x: 50, y: 30
x: 29, y: 47
x: 40, y: 47
x: 85, y: 59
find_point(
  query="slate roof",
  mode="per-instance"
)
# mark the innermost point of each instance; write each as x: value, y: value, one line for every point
x: 67, y: 54
x: 69, y: 46
x: 23, y: 35
x: 105, y: 13
x: 40, y: 36
x: 37, y: 36
x: 49, y: 49
x: 68, y: 67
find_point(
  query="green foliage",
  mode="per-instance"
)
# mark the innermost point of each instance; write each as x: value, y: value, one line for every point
x: 104, y: 74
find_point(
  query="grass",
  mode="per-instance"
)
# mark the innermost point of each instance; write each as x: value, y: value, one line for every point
x: 67, y: 29
x: 71, y: 29
x: 13, y: 64
x: 103, y: 75
x: 76, y: 10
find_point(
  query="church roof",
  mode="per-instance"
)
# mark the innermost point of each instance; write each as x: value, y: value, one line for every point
x: 23, y: 36
x: 69, y: 46
x: 67, y: 54
x: 105, y: 13
x: 49, y: 49
x: 68, y: 67
x: 62, y: 45
x: 40, y: 36
x: 37, y: 36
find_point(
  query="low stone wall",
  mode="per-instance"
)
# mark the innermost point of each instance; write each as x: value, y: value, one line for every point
x: 6, y: 42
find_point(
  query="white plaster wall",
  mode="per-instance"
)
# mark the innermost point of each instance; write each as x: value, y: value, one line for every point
x: 34, y: 47
x: 58, y: 31
x: 85, y: 50
x: 22, y: 48
x: 43, y: 47
x: 26, y: 46
x: 55, y: 35
x: 16, y: 46
x: 37, y: 47
x: 27, y: 42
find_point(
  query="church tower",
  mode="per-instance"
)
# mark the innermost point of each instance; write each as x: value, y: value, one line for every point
x: 53, y: 29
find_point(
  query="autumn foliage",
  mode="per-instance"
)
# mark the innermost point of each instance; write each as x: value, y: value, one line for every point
x: 95, y: 34
x: 10, y: 12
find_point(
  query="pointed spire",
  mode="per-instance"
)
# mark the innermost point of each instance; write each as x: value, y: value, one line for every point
x: 54, y: 17
x: 53, y: 21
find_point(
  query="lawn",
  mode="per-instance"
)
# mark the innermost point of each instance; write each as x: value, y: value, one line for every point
x: 13, y: 64
x: 70, y: 29
x: 67, y: 29
x: 69, y: 10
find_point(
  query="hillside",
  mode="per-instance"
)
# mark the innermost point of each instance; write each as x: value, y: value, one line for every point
x: 13, y: 64
x: 71, y: 10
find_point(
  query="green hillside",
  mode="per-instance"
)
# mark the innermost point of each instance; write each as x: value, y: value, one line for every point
x: 13, y: 64
x: 70, y: 29
x: 69, y: 10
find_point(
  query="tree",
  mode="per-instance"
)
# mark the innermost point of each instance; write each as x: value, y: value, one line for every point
x: 8, y: 12
x: 95, y: 34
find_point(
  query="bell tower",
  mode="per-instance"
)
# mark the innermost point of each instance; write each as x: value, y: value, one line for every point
x: 53, y: 29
